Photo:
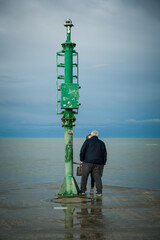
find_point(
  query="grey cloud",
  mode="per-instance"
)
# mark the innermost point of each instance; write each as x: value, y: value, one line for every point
x: 108, y: 27
x: 150, y: 7
x: 133, y: 121
x: 118, y: 45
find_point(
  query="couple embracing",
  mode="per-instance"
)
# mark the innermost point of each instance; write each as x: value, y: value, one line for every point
x: 93, y: 157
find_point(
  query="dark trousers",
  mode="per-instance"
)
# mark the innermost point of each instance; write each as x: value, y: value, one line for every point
x: 96, y: 170
x: 92, y: 178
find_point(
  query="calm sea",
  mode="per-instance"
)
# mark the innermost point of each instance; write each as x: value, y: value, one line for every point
x: 26, y: 162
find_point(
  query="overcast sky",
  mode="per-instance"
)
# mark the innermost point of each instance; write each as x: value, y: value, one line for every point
x: 119, y: 66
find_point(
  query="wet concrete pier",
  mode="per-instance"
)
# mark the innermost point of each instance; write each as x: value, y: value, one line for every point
x: 121, y: 214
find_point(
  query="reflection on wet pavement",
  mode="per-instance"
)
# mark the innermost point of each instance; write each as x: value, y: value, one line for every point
x: 122, y: 213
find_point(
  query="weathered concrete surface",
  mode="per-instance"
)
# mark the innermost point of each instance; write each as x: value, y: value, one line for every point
x: 121, y: 214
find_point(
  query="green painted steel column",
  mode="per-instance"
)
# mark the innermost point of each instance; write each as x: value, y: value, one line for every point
x: 69, y: 186
x: 68, y: 136
x: 68, y: 64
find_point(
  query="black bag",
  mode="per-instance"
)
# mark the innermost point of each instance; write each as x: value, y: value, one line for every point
x: 79, y: 171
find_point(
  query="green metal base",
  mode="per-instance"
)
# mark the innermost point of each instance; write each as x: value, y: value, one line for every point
x: 69, y: 187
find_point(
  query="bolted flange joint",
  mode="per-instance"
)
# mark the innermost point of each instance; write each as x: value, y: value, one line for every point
x: 68, y: 119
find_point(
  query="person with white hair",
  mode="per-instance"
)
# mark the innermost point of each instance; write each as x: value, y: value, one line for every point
x: 93, y: 156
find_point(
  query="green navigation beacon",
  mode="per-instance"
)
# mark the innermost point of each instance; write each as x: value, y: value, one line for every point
x: 67, y: 104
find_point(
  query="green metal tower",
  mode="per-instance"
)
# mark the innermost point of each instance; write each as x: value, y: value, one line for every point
x: 68, y: 101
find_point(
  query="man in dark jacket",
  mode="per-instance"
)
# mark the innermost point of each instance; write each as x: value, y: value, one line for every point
x: 93, y: 156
